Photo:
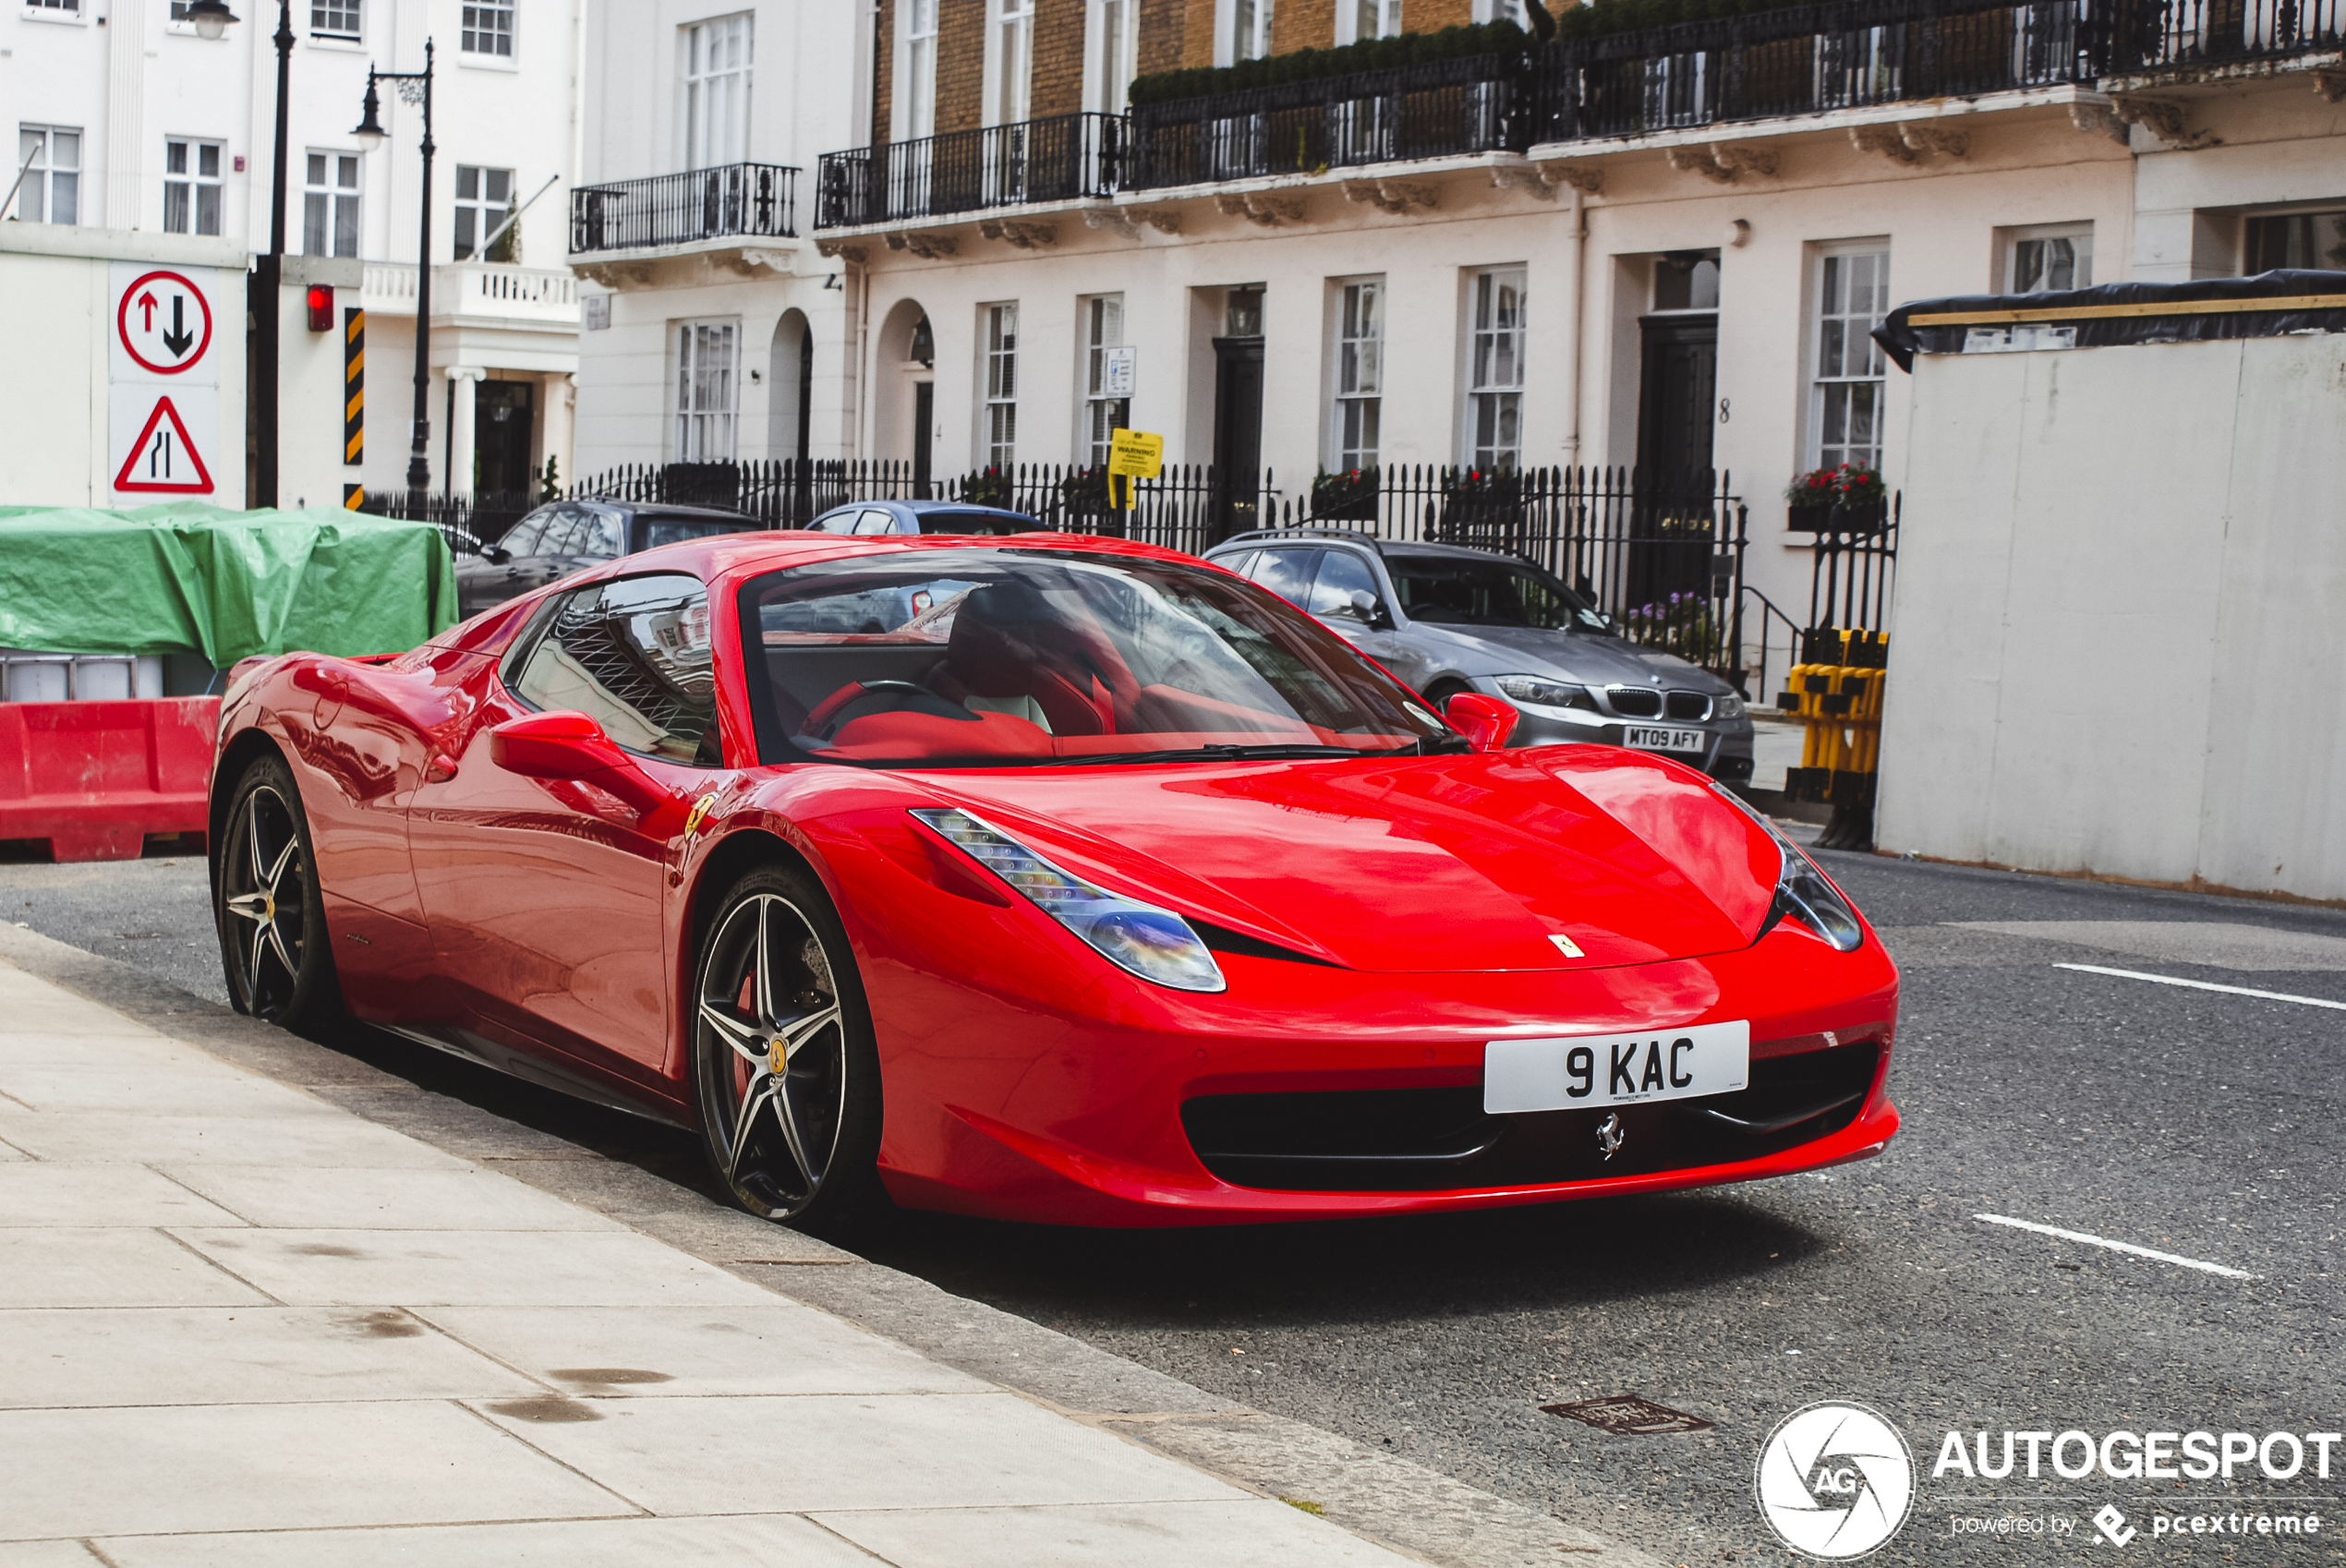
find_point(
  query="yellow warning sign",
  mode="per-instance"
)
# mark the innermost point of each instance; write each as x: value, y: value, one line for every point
x: 1135, y: 454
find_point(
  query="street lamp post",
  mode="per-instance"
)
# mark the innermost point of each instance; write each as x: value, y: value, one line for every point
x: 415, y: 87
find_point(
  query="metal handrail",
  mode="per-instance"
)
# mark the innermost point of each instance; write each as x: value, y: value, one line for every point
x: 1056, y: 159
x: 746, y: 200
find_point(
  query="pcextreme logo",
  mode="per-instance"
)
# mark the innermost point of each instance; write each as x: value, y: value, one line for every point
x: 1834, y: 1480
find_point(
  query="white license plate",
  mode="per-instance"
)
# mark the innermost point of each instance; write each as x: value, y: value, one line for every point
x: 1615, y: 1069
x: 1664, y: 740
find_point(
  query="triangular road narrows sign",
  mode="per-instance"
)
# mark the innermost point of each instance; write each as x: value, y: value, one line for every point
x: 163, y: 458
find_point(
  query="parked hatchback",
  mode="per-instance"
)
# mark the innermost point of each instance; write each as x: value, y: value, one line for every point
x: 921, y: 517
x: 1447, y: 619
x: 570, y: 535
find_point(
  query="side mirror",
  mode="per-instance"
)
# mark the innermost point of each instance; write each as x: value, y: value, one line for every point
x: 1371, y: 611
x: 496, y: 555
x: 1486, y: 722
x: 572, y: 745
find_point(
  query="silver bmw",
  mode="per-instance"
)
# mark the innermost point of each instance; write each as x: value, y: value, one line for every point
x: 1447, y: 619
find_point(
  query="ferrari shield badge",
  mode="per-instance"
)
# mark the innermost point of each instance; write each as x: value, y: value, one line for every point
x: 699, y: 814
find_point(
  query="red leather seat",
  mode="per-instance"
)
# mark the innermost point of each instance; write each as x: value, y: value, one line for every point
x: 1011, y: 640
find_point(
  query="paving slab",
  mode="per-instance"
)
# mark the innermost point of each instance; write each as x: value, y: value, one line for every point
x: 776, y: 1348
x: 178, y: 1469
x: 238, y: 1356
x: 47, y: 1554
x: 417, y: 1267
x: 819, y: 1453
x: 284, y: 1198
x: 111, y: 1268
x: 139, y: 1089
x: 52, y: 1194
x: 766, y: 1540
x: 1254, y: 1533
x: 315, y: 1142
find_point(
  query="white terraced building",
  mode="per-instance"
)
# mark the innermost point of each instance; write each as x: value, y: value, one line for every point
x: 1635, y: 249
x: 130, y: 127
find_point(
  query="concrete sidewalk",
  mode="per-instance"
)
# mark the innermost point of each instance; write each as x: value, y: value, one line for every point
x: 241, y: 1325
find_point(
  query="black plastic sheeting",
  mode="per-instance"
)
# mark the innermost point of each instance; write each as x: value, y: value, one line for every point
x: 2205, y: 310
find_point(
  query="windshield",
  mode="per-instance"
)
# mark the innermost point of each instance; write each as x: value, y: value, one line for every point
x: 1467, y: 591
x: 1004, y: 658
x: 980, y: 523
x: 658, y: 531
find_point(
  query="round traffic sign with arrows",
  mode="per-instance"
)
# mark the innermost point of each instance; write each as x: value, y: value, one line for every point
x: 164, y: 323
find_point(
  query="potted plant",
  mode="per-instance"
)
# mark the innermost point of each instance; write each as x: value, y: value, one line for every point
x: 1347, y: 497
x: 1476, y: 502
x: 1848, y: 497
x: 989, y: 486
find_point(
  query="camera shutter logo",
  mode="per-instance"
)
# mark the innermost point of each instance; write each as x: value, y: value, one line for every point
x: 1834, y: 1480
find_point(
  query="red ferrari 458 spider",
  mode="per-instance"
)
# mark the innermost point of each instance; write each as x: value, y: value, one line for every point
x: 1046, y: 877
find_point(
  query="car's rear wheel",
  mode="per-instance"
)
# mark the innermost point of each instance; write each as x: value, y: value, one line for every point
x: 266, y: 904
x: 784, y: 1070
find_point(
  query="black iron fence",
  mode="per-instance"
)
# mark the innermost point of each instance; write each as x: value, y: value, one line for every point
x: 468, y: 523
x: 1056, y: 159
x: 1436, y: 110
x: 749, y: 199
x: 1661, y: 553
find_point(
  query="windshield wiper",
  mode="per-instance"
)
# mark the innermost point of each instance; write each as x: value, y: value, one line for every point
x: 1226, y: 754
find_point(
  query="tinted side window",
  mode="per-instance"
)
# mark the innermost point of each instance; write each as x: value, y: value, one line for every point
x: 525, y: 536
x: 1288, y: 572
x: 598, y: 537
x: 1238, y: 565
x: 875, y: 522
x: 1342, y: 574
x: 634, y: 654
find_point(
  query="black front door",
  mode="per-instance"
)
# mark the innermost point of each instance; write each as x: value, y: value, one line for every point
x: 1238, y: 433
x: 1677, y: 406
x: 503, y: 413
x: 923, y: 417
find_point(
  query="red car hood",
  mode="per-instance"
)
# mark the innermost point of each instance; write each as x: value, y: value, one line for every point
x: 1415, y: 864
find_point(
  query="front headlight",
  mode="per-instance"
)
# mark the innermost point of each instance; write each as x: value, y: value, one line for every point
x: 1802, y: 892
x: 1155, y: 943
x: 1728, y: 706
x: 1543, y: 692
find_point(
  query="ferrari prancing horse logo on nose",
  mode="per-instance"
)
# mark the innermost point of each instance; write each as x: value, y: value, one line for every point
x: 1610, y: 1136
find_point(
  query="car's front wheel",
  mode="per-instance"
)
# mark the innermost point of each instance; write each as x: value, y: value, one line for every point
x: 784, y: 1070
x: 266, y: 903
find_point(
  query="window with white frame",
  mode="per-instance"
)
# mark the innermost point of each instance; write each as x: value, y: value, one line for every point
x: 341, y: 19
x: 1105, y: 407
x: 1114, y: 30
x: 487, y: 28
x: 1009, y: 60
x: 715, y: 57
x: 1360, y: 374
x: 706, y: 355
x: 1846, y: 381
x: 51, y: 159
x: 484, y: 201
x: 2052, y: 257
x: 917, y: 91
x: 1495, y: 370
x: 1000, y: 433
x: 1250, y: 29
x: 190, y: 186
x: 1375, y: 18
x: 71, y: 8
x: 329, y: 204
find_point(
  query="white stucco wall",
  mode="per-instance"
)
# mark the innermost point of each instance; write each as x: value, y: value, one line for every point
x: 2121, y: 615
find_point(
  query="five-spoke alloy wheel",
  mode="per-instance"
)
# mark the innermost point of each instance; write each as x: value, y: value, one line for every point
x: 782, y: 1058
x: 273, y: 932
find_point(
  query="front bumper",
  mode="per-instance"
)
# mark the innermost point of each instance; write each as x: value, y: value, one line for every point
x: 1014, y: 1107
x: 1727, y: 744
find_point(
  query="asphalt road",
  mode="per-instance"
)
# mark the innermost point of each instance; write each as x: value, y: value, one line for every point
x: 2200, y: 1124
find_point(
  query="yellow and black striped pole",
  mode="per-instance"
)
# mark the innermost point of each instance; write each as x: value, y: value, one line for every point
x: 353, y: 405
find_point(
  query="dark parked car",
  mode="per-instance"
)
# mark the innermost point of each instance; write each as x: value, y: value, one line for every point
x: 570, y: 535
x: 921, y: 517
x: 1446, y: 619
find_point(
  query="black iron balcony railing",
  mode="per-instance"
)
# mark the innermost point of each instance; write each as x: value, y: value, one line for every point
x: 751, y: 200
x: 1056, y: 159
x: 1436, y: 110
x: 1761, y: 65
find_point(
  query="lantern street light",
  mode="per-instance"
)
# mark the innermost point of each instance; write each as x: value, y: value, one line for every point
x: 415, y: 87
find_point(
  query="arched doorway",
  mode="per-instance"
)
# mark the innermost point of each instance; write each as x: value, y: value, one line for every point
x: 789, y: 371
x: 905, y: 393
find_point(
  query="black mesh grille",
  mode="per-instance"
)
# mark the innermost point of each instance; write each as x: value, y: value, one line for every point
x: 1636, y: 701
x: 1416, y: 1139
x: 1691, y: 706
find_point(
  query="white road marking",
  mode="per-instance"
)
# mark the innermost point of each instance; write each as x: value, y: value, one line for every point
x: 2126, y: 1247
x: 2209, y: 985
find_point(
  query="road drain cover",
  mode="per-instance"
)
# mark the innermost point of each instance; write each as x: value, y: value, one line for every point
x: 1628, y: 1415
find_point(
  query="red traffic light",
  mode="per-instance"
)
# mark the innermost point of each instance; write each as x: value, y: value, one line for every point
x: 322, y: 308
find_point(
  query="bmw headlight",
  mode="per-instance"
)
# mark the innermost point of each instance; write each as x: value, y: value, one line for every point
x: 1155, y: 943
x: 1802, y: 892
x: 1543, y: 692
x: 1728, y: 706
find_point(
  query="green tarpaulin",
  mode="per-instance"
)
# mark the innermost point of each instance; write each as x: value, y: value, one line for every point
x: 195, y: 579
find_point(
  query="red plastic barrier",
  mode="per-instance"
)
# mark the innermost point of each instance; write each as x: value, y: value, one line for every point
x: 95, y: 779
